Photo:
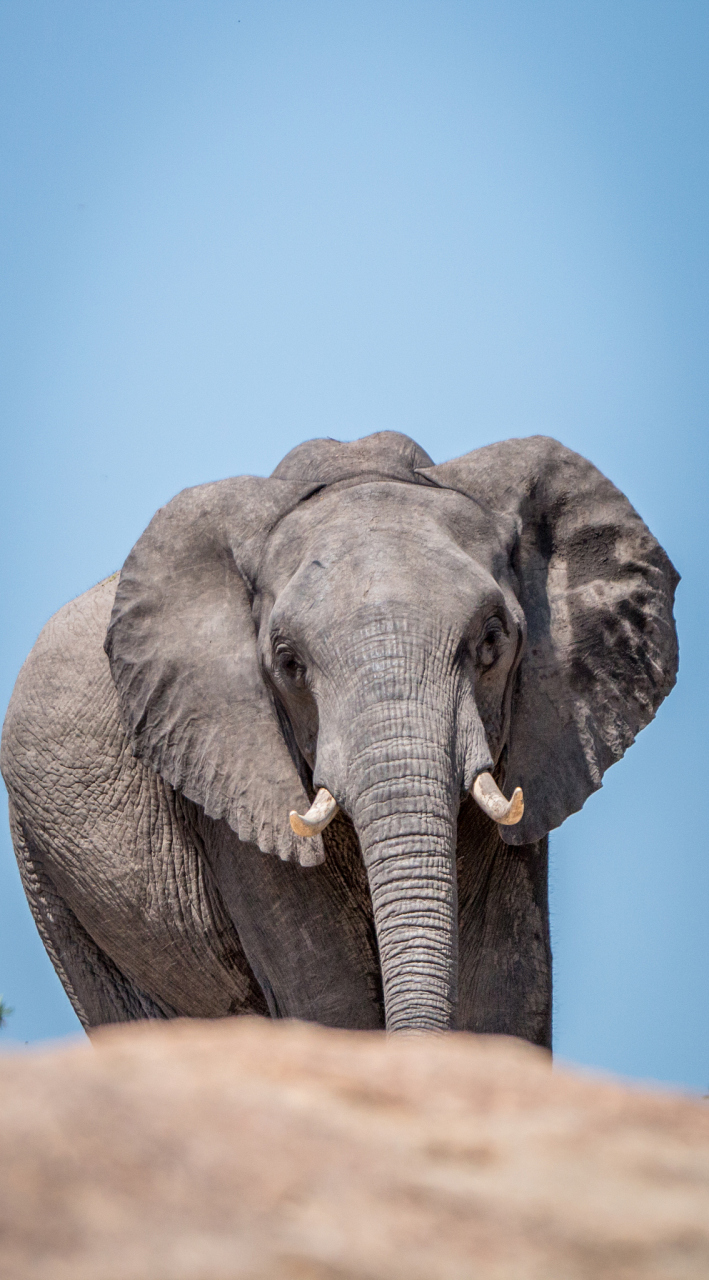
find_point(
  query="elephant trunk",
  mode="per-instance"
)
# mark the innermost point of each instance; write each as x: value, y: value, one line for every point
x: 403, y: 797
x: 406, y: 739
x: 409, y: 855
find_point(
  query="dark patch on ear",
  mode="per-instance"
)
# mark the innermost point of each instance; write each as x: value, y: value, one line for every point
x: 544, y: 535
x: 590, y: 553
x: 582, y: 677
x: 635, y: 616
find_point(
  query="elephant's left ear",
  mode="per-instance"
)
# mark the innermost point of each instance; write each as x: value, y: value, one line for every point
x: 597, y: 591
x: 182, y: 648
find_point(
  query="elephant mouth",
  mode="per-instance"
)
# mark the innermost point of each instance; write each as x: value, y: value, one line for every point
x: 485, y: 791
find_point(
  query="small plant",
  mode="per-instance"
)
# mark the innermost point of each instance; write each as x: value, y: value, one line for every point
x: 5, y: 1012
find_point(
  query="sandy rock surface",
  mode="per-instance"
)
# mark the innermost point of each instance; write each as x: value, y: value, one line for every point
x: 251, y: 1149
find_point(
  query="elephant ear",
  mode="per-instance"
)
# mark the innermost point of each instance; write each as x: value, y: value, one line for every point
x: 182, y: 649
x: 597, y: 592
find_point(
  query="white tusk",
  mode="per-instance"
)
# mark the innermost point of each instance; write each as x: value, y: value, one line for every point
x: 492, y: 802
x: 320, y: 813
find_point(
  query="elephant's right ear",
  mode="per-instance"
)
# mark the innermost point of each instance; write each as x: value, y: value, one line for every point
x: 597, y: 590
x: 182, y: 648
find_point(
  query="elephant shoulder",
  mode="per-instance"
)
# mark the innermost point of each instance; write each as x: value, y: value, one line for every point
x: 64, y: 693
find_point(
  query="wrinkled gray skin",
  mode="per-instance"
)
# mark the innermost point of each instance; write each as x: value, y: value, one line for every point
x: 363, y: 621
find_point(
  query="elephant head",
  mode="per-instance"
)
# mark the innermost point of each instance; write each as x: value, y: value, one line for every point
x: 391, y: 634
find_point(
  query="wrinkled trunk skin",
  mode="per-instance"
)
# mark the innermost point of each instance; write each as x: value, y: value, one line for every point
x: 409, y: 855
x: 402, y: 792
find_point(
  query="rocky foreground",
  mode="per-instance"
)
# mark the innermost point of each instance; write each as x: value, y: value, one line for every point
x: 246, y: 1148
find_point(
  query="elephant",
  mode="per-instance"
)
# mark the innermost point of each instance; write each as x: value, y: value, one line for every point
x: 301, y: 757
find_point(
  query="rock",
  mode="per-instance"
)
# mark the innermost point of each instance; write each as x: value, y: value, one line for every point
x: 263, y: 1150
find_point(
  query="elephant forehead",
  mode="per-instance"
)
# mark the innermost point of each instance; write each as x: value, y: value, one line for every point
x: 443, y: 588
x: 381, y: 522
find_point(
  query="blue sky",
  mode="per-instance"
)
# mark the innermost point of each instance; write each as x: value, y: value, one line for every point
x: 228, y: 227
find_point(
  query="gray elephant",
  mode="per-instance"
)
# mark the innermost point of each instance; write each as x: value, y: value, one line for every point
x: 393, y: 647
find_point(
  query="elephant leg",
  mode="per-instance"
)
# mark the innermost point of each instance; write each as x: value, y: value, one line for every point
x: 505, y: 951
x: 141, y: 897
x: 307, y: 932
x: 98, y: 991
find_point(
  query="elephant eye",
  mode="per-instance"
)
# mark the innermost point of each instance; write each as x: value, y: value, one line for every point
x: 289, y: 665
x: 490, y: 646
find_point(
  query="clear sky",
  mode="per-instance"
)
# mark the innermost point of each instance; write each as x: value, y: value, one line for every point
x: 227, y: 227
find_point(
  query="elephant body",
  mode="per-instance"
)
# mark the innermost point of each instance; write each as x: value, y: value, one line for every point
x: 365, y: 622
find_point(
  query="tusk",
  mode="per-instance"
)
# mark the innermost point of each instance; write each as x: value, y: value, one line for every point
x: 492, y: 802
x: 320, y: 813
